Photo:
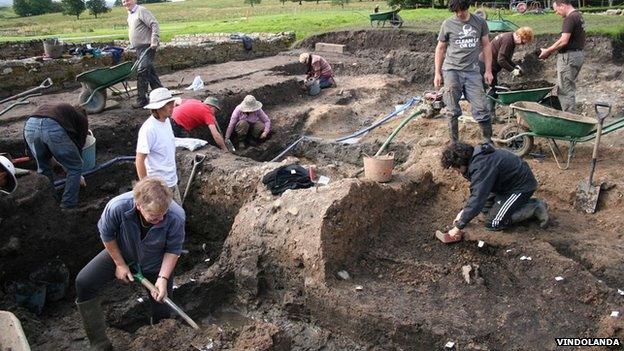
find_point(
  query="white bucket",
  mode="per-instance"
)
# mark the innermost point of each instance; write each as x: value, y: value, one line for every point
x: 88, y: 153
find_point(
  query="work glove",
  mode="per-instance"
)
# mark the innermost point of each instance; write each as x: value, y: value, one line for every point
x: 517, y: 72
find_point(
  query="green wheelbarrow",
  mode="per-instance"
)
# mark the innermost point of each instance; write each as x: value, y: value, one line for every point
x: 506, y: 97
x: 391, y: 16
x: 94, y: 83
x: 536, y: 120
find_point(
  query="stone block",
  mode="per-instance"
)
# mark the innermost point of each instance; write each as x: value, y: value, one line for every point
x: 327, y: 47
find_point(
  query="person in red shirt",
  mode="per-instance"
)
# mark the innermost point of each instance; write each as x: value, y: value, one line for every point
x: 190, y: 113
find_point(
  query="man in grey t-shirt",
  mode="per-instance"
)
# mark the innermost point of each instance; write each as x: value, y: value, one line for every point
x: 144, y: 35
x: 461, y: 39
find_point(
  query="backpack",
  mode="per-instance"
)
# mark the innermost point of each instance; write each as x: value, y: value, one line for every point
x: 287, y: 177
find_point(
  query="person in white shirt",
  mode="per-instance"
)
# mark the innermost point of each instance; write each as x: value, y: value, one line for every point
x: 155, y: 151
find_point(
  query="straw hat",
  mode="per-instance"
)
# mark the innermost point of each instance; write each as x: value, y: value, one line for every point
x: 212, y: 101
x: 250, y: 104
x: 7, y: 166
x: 158, y: 98
x: 303, y: 58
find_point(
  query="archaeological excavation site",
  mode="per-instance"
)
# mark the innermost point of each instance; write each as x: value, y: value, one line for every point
x: 348, y: 262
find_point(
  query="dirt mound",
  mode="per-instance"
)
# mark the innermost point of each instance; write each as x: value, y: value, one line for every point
x: 331, y: 121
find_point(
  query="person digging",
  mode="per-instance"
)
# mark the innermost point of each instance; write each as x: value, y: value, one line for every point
x: 251, y: 123
x: 501, y: 186
x: 144, y: 226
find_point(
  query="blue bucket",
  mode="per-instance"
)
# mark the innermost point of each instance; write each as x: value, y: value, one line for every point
x: 55, y: 276
x: 29, y: 295
x: 88, y: 153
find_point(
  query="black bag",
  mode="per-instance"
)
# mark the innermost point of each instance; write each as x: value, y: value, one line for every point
x: 287, y: 177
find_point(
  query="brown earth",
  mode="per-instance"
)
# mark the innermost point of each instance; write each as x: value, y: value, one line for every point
x: 262, y: 270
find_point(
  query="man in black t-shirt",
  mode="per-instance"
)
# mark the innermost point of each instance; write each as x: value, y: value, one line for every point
x: 570, y: 57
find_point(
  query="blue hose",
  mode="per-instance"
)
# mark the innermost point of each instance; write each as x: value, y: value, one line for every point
x: 401, y: 108
x: 61, y: 182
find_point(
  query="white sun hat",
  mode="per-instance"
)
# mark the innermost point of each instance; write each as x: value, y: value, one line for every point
x: 250, y: 104
x: 7, y: 166
x: 158, y: 98
x: 303, y: 58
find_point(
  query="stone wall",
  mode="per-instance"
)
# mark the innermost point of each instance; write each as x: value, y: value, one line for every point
x: 182, y: 52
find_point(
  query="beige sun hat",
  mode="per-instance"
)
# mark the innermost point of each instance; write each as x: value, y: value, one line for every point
x: 158, y: 98
x: 250, y: 104
x: 303, y: 58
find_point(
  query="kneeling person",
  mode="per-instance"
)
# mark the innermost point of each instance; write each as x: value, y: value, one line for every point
x: 250, y: 122
x: 190, y: 113
x: 143, y: 226
x: 497, y: 175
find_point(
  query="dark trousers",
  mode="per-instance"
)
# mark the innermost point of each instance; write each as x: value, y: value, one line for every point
x: 101, y: 270
x: 146, y: 74
x: 499, y: 216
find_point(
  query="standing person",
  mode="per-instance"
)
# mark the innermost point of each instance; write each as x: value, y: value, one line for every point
x: 8, y: 182
x: 144, y: 35
x: 190, y: 113
x: 496, y: 176
x: 250, y: 122
x: 461, y: 39
x: 59, y: 131
x: 503, y: 48
x: 143, y: 226
x: 155, y: 151
x: 318, y: 68
x: 570, y: 57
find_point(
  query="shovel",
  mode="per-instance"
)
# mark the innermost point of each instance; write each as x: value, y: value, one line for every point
x: 199, y: 158
x: 138, y: 275
x: 587, y: 194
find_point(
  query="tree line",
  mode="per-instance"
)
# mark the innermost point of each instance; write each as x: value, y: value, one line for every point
x: 25, y: 8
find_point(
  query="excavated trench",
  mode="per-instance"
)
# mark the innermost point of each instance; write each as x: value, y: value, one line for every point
x: 261, y: 271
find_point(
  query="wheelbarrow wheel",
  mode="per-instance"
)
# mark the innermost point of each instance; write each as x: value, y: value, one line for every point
x: 396, y: 22
x: 97, y: 102
x: 520, y: 146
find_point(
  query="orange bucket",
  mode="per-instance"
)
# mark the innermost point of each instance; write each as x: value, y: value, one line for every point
x: 379, y: 168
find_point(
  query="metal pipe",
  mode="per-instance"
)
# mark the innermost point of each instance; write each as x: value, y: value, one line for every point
x: 61, y: 182
x: 44, y: 85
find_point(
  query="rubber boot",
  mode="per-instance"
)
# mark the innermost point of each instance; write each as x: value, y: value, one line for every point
x: 454, y: 129
x: 533, y: 208
x: 94, y: 324
x: 486, y: 130
x: 541, y: 213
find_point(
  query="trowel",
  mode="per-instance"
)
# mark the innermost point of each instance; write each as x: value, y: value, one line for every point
x: 587, y: 194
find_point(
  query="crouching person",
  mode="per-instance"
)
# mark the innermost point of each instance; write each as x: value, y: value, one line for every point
x: 501, y: 185
x: 143, y: 226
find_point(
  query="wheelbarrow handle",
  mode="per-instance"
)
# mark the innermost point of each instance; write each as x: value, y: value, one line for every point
x: 601, y: 115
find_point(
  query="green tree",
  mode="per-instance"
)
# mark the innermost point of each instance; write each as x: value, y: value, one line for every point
x: 73, y: 7
x: 118, y: 3
x: 252, y: 2
x: 21, y: 8
x: 412, y: 4
x: 96, y: 7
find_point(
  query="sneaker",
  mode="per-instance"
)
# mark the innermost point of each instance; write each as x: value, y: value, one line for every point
x: 447, y: 238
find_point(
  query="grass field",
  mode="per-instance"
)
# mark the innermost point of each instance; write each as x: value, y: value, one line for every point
x: 200, y: 16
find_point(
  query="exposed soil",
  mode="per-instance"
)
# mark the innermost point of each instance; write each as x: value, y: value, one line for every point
x: 261, y: 272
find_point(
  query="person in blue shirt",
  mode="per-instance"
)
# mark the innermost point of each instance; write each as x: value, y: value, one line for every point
x: 145, y: 227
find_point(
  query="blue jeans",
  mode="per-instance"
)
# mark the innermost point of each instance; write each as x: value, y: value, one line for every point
x: 46, y: 138
x: 326, y: 82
